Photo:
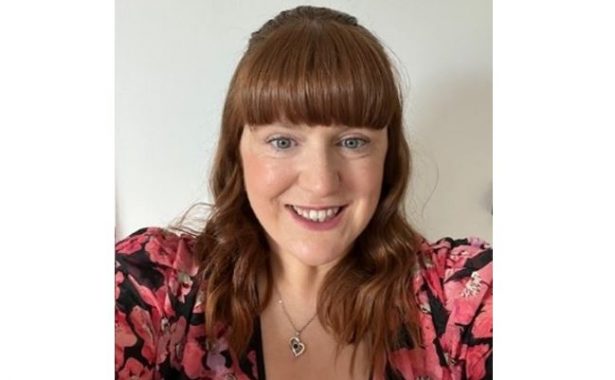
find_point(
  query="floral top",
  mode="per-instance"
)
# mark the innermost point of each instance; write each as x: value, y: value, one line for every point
x: 159, y: 318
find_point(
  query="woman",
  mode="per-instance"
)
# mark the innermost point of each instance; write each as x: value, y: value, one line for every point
x: 306, y: 267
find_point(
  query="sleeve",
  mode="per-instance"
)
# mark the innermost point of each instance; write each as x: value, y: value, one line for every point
x: 468, y: 297
x: 147, y: 324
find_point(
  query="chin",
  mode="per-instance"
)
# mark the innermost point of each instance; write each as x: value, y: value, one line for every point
x: 315, y: 257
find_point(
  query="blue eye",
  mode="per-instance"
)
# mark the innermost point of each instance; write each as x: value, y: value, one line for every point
x: 281, y: 143
x: 353, y: 143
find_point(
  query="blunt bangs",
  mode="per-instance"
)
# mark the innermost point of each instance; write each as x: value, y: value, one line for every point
x: 316, y: 73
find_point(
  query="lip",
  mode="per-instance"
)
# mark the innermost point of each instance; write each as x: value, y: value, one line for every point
x: 317, y: 226
x: 316, y: 207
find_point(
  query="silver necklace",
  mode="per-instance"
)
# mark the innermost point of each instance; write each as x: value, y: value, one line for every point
x: 297, y: 347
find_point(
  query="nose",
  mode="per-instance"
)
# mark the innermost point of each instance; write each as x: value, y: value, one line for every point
x: 321, y: 174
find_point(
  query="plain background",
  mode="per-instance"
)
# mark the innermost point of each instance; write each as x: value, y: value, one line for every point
x: 174, y: 61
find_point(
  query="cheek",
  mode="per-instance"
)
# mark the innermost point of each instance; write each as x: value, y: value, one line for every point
x: 264, y: 179
x: 366, y: 179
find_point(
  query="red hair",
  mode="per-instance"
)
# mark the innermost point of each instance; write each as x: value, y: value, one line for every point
x: 314, y: 66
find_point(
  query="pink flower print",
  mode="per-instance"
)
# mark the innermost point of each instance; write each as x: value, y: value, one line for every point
x: 163, y: 341
x: 442, y: 243
x: 180, y: 285
x: 124, y: 337
x: 428, y: 357
x: 135, y: 370
x: 434, y: 282
x: 486, y: 274
x: 198, y: 305
x: 252, y: 358
x: 462, y: 311
x: 142, y: 322
x: 192, y: 360
x: 403, y: 359
x: 453, y: 289
x: 475, y: 361
x: 472, y: 287
x: 417, y: 282
x: 428, y: 331
x: 132, y: 244
x: 429, y: 367
x: 455, y: 369
x: 463, y: 298
x: 194, y: 350
x: 422, y: 301
x: 156, y: 298
x: 216, y: 362
x: 153, y: 297
x: 457, y: 257
x: 158, y: 252
x: 441, y: 248
x: 171, y: 341
x: 119, y: 278
x: 443, y: 252
x: 477, y: 242
x: 184, y: 259
x: 483, y: 324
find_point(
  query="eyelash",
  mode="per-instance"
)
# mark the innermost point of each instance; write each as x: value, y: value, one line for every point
x: 273, y: 142
x: 360, y: 139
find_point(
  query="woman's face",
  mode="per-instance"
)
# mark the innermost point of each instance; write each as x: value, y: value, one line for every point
x: 313, y: 189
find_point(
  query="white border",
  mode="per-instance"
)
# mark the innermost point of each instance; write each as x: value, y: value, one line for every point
x: 57, y: 189
x: 553, y: 189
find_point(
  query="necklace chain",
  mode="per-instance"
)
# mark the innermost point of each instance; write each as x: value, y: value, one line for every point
x: 297, y: 347
x: 297, y: 331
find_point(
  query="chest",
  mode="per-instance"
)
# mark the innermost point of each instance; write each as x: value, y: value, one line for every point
x: 318, y: 359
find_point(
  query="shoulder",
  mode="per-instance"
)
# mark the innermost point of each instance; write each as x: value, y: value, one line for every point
x: 157, y: 318
x: 456, y: 275
x: 453, y: 286
x: 453, y: 260
x: 154, y: 263
x: 157, y: 249
x: 160, y: 245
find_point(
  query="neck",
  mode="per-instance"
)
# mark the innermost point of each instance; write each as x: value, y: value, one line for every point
x: 298, y: 284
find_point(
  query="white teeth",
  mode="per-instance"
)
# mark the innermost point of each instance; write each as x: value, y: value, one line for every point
x: 313, y: 214
x: 317, y: 215
x: 322, y: 214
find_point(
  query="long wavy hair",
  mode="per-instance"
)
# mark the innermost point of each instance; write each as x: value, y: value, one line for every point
x: 314, y: 66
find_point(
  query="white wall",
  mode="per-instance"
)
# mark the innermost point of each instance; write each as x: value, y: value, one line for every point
x: 174, y: 60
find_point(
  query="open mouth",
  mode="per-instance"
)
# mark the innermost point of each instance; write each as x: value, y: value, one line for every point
x: 317, y: 216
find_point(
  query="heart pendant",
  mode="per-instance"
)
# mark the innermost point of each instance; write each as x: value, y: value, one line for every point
x: 296, y: 346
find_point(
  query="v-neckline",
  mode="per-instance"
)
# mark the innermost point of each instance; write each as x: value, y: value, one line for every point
x: 260, y: 359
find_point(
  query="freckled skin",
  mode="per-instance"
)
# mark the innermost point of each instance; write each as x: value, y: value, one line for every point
x: 310, y: 166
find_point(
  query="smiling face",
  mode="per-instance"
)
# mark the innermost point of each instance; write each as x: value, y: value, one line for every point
x: 313, y: 189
